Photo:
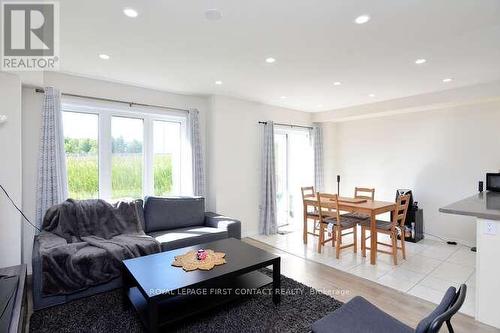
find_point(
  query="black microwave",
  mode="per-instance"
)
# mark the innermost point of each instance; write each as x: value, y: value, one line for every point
x: 493, y: 182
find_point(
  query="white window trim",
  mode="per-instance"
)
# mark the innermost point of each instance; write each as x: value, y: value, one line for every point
x: 105, y: 112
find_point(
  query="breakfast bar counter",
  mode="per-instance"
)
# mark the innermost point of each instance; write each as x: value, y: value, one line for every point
x: 485, y: 207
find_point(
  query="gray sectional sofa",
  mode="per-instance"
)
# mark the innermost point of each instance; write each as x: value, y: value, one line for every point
x: 174, y: 222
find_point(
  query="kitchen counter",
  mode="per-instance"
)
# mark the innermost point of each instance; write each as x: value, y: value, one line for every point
x: 485, y: 205
x: 486, y: 208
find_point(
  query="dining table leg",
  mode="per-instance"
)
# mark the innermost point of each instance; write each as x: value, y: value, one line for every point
x: 305, y: 224
x: 373, y: 239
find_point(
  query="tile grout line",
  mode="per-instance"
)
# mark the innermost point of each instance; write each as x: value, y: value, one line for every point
x: 428, y: 274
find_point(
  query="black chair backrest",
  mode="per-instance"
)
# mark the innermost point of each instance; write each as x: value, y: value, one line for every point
x: 450, y: 312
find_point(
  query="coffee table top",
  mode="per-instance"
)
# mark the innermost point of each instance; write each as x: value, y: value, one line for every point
x: 155, y: 274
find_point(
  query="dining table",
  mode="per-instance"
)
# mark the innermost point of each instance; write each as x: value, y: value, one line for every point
x: 364, y: 206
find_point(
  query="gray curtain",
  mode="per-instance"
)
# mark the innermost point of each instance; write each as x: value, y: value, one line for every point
x: 318, y: 157
x: 52, y: 184
x: 268, y: 223
x: 198, y: 166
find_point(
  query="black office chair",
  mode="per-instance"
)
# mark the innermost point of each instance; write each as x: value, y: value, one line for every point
x: 359, y: 315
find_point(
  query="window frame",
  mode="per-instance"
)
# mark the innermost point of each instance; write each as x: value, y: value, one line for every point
x: 105, y: 112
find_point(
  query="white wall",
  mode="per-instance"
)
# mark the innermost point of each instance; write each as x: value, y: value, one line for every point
x: 440, y: 154
x: 31, y: 120
x: 31, y: 117
x: 10, y: 170
x: 234, y: 155
x: 330, y: 156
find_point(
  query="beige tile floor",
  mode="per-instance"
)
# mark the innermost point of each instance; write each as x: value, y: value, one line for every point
x: 431, y: 266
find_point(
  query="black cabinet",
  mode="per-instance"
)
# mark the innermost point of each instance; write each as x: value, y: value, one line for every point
x: 417, y: 217
x: 12, y: 298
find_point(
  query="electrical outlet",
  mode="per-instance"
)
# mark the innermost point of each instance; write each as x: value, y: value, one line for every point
x: 490, y: 228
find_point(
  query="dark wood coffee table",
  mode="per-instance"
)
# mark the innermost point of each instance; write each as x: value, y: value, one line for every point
x: 163, y: 294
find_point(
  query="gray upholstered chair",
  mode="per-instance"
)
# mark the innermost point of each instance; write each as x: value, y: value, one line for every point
x: 359, y: 315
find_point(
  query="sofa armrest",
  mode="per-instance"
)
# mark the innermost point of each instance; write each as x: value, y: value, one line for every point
x: 36, y: 260
x: 232, y: 226
x: 49, y: 240
x: 36, y: 271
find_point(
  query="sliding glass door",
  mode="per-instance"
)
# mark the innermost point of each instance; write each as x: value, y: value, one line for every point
x: 281, y: 156
x: 294, y: 169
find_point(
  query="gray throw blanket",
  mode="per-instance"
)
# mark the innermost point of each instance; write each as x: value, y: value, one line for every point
x: 82, y: 243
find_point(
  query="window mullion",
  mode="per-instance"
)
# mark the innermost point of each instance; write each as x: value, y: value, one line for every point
x: 148, y: 173
x: 105, y: 155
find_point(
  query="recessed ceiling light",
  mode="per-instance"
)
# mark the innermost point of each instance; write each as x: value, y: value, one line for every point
x: 338, y: 83
x: 283, y: 97
x: 362, y: 19
x: 218, y: 82
x: 371, y: 95
x: 104, y: 56
x: 319, y: 105
x: 213, y: 14
x: 270, y: 60
x: 130, y: 12
x: 449, y: 79
x: 420, y: 61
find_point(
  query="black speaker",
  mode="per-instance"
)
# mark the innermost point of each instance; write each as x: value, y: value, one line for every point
x: 481, y: 186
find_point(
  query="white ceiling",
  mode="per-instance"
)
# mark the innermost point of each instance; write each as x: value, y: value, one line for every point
x: 172, y: 46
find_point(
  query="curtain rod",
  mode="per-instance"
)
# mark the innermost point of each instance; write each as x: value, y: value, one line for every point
x: 289, y: 125
x: 41, y: 91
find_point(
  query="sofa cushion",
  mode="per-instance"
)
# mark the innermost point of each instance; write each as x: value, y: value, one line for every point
x: 173, y: 213
x: 177, y: 238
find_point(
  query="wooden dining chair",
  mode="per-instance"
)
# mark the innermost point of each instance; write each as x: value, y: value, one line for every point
x: 308, y: 193
x: 392, y: 228
x: 362, y: 193
x: 331, y: 221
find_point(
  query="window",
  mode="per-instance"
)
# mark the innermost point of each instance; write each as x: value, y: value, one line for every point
x: 167, y: 157
x: 127, y: 159
x: 81, y: 145
x: 117, y: 152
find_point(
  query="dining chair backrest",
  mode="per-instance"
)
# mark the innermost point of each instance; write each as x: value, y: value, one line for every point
x: 308, y: 192
x: 399, y: 218
x: 325, y: 207
x: 364, y: 193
